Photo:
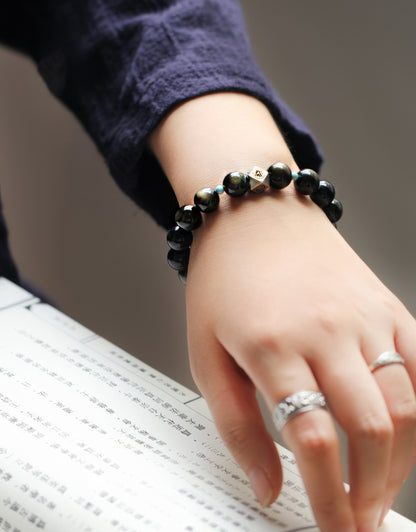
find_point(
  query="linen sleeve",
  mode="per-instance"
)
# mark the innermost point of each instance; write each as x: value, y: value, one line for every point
x: 122, y: 65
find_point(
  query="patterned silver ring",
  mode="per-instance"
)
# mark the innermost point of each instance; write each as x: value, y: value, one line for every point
x: 295, y: 404
x: 386, y: 358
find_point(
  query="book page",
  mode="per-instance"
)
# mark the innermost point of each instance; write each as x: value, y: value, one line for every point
x: 94, y: 440
x: 12, y: 295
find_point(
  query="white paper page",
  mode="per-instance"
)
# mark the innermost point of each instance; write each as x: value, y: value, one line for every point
x: 91, y: 442
x: 11, y: 295
x: 72, y: 328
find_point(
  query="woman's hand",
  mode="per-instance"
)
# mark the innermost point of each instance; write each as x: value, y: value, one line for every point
x: 277, y: 301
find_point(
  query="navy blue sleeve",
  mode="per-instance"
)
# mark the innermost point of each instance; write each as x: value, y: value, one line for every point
x: 121, y: 65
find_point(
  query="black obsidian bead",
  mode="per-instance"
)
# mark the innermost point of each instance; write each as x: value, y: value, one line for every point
x: 280, y: 175
x: 179, y: 239
x: 178, y: 260
x: 183, y: 275
x: 333, y: 210
x: 324, y: 195
x: 235, y: 184
x: 207, y: 199
x: 306, y: 182
x: 188, y: 217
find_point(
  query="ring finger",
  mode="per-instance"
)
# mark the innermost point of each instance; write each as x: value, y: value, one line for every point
x: 359, y: 406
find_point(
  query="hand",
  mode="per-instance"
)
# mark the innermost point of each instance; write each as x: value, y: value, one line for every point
x: 277, y: 301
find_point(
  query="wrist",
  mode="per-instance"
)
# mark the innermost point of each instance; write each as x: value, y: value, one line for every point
x: 236, y: 184
x: 202, y: 140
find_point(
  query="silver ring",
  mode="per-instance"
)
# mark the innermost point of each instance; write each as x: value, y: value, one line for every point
x: 386, y: 358
x: 295, y: 404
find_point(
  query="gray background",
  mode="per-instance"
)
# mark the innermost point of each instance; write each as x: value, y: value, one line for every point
x: 348, y: 68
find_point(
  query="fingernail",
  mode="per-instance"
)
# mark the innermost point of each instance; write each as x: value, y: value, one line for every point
x: 261, y: 486
x: 412, y: 465
x: 385, y: 511
x: 366, y: 528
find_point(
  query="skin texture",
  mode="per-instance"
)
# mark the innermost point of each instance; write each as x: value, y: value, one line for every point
x: 278, y: 301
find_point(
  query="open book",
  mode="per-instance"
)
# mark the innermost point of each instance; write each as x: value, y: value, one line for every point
x: 92, y: 439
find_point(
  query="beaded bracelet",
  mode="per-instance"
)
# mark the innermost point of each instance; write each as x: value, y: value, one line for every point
x: 235, y: 184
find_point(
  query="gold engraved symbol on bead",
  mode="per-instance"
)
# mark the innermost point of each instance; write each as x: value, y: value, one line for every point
x: 259, y: 179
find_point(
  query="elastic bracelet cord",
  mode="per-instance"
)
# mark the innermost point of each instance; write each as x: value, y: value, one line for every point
x: 236, y: 184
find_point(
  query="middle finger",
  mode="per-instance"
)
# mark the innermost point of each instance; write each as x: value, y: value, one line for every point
x: 311, y: 436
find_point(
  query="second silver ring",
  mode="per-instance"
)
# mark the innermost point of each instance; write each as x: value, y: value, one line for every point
x: 385, y: 359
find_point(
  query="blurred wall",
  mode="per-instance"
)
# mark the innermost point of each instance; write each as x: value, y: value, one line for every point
x: 348, y: 68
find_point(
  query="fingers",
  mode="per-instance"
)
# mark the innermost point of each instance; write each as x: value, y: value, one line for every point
x: 311, y: 436
x: 231, y: 397
x: 377, y: 411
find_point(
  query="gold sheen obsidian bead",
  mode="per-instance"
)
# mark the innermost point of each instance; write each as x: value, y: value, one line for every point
x: 280, y: 175
x: 333, y: 211
x: 179, y: 239
x: 183, y: 275
x: 235, y: 184
x: 178, y: 260
x: 207, y: 199
x: 324, y: 195
x: 306, y: 182
x: 188, y: 217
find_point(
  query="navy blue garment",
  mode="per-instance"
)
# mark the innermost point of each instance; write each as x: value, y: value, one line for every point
x: 121, y: 65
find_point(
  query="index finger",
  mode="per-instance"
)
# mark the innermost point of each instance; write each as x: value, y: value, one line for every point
x: 231, y: 397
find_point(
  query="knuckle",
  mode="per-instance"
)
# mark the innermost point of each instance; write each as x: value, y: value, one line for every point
x: 389, y: 303
x: 262, y: 337
x: 316, y: 441
x: 376, y: 428
x: 329, y: 323
x: 235, y: 436
x: 361, y: 501
x: 327, y: 508
x: 404, y: 413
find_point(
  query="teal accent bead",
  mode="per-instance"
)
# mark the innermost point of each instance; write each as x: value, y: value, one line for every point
x: 219, y: 189
x: 295, y: 175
